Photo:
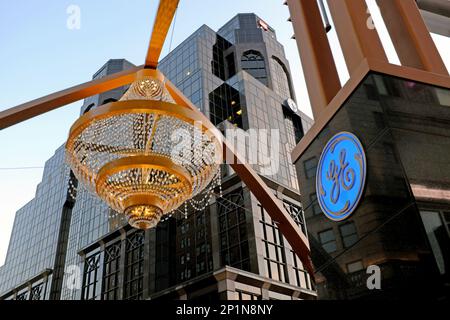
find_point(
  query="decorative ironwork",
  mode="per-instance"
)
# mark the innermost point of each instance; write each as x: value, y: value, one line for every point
x: 233, y: 230
x: 111, y: 271
x: 296, y: 214
x: 134, y: 267
x: 36, y: 292
x: 22, y: 296
x: 91, y: 285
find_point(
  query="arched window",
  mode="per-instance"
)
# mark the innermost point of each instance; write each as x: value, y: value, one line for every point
x: 280, y: 79
x: 253, y: 62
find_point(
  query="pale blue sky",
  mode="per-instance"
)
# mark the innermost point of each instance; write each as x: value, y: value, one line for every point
x: 40, y: 55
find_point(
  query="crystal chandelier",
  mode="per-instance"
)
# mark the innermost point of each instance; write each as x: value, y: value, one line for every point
x: 144, y: 155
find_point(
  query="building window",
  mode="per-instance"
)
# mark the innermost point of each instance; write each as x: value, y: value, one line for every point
x: 280, y: 79
x: 315, y: 204
x: 233, y: 231
x: 293, y: 124
x: 348, y: 234
x: 296, y: 214
x: 231, y: 65
x: 36, y: 292
x: 447, y: 219
x: 111, y: 272
x: 91, y: 282
x: 371, y: 91
x: 274, y: 253
x: 355, y: 266
x: 185, y: 228
x: 328, y: 240
x: 218, y: 62
x: 379, y: 120
x: 225, y: 104
x: 253, y: 62
x: 310, y: 166
x: 301, y: 276
x: 436, y: 227
x: 134, y: 266
x: 22, y: 296
x: 200, y: 219
x: 247, y: 296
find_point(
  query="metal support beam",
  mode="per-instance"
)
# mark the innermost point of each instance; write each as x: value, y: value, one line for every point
x: 412, y: 40
x: 163, y: 20
x: 320, y: 71
x: 55, y: 100
x: 359, y: 39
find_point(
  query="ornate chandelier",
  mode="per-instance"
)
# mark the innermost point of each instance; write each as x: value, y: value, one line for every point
x: 144, y: 155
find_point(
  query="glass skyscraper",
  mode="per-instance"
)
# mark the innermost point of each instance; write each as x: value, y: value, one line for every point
x: 240, y: 78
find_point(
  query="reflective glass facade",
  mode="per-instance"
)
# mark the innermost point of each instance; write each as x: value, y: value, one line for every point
x: 401, y: 223
x: 32, y: 259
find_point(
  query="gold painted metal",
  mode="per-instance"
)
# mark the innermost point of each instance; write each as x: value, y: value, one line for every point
x: 152, y: 161
x: 164, y: 17
x: 156, y: 201
x: 410, y: 36
x: 143, y: 216
x: 320, y: 71
x: 144, y: 200
x: 141, y: 106
x: 358, y: 39
x: 55, y: 100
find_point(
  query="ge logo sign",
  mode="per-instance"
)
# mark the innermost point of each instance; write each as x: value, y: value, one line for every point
x: 341, y: 176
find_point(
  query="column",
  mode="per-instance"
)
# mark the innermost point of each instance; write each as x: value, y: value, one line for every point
x: 358, y: 39
x: 410, y: 36
x: 319, y: 68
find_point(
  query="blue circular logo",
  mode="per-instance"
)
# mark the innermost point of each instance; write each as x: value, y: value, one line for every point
x: 341, y: 176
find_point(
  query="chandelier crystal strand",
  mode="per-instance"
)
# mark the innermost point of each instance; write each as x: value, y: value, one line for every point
x: 144, y: 155
x: 206, y: 196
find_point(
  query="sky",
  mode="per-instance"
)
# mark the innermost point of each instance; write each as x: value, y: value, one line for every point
x: 39, y: 54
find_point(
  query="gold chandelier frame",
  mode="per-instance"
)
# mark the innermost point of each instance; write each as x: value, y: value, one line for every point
x: 182, y: 108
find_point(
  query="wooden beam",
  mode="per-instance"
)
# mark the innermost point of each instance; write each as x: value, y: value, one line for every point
x: 55, y: 100
x: 319, y: 68
x: 163, y: 20
x: 410, y: 36
x: 358, y: 38
x: 274, y: 207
